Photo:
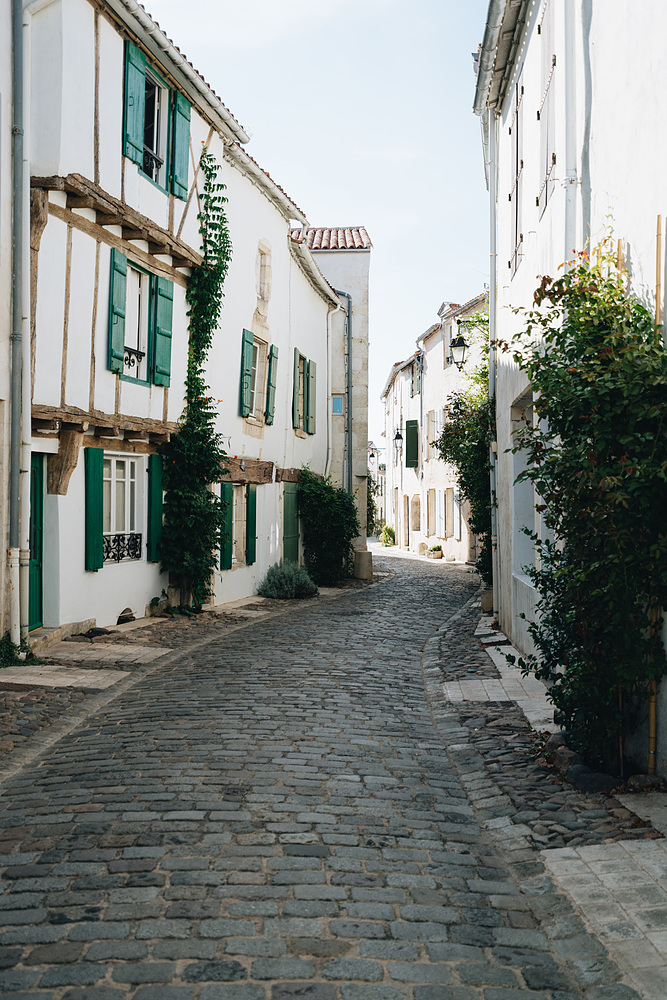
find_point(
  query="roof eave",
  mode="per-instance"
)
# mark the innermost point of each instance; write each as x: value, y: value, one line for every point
x: 135, y: 18
x: 505, y: 26
x: 245, y: 163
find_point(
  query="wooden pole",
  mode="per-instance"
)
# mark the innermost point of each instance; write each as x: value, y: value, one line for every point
x: 619, y: 255
x: 658, y: 273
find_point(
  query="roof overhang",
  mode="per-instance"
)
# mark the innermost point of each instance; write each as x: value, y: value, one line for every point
x: 156, y: 43
x: 304, y: 258
x: 236, y: 155
x: 505, y: 27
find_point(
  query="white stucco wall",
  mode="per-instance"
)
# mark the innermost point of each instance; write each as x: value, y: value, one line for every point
x: 6, y: 112
x: 619, y: 150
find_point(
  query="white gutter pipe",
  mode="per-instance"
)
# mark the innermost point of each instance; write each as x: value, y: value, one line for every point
x: 216, y: 108
x: 571, y: 179
x: 349, y: 386
x: 493, y: 337
x: 29, y: 11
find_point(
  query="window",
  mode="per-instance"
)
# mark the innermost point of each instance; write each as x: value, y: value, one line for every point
x: 304, y: 394
x: 259, y: 364
x: 546, y: 113
x: 515, y: 196
x: 411, y: 444
x: 140, y: 322
x: 415, y: 377
x: 239, y: 533
x: 337, y: 404
x: 156, y: 126
x: 120, y: 514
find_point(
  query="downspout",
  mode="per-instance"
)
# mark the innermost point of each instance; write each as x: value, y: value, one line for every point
x: 492, y: 125
x: 570, y: 134
x: 349, y: 387
x: 22, y: 302
x: 17, y: 324
x: 330, y: 314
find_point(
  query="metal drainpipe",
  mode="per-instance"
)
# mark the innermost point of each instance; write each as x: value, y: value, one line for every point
x: 349, y: 387
x: 493, y: 296
x: 17, y: 322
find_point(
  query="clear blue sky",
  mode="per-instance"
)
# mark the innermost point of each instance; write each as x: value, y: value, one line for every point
x: 362, y: 111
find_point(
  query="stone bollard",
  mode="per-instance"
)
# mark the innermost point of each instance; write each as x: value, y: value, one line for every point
x: 363, y: 564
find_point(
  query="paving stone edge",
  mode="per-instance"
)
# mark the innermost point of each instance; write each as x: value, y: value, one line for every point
x: 508, y: 838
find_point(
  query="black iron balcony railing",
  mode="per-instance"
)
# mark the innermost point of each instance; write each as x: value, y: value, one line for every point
x: 122, y: 546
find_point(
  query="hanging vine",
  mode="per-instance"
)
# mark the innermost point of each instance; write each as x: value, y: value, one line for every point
x: 194, y: 458
x: 596, y: 457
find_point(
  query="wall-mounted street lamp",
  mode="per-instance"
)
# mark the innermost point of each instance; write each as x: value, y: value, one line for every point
x: 458, y: 348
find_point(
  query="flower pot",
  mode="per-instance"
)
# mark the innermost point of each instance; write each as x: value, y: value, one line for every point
x: 435, y: 555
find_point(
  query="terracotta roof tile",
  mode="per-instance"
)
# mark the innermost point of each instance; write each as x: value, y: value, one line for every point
x: 335, y: 238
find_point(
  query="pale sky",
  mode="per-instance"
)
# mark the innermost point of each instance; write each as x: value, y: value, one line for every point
x: 362, y: 111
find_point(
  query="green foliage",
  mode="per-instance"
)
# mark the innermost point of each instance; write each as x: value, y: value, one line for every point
x: 286, y: 580
x: 435, y: 548
x: 194, y: 458
x: 465, y: 442
x: 10, y: 653
x: 597, y: 459
x: 388, y: 536
x: 372, y: 491
x: 330, y: 523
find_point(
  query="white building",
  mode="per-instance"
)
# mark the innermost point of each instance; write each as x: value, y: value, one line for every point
x: 118, y: 118
x: 567, y: 152
x: 6, y: 122
x: 423, y: 501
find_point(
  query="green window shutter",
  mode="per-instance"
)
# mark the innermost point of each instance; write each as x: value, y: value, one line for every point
x: 411, y: 444
x: 117, y: 292
x: 271, y: 380
x: 135, y: 103
x: 295, y: 393
x: 154, y: 525
x: 227, y: 500
x: 164, y: 313
x: 250, y: 523
x: 94, y: 523
x: 246, y: 371
x: 311, y: 397
x: 180, y: 147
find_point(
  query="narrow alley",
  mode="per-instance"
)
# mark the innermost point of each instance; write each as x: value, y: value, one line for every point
x: 291, y: 810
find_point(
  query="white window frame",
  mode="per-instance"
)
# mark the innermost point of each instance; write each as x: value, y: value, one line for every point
x: 258, y: 377
x: 138, y: 301
x: 158, y: 140
x: 239, y: 525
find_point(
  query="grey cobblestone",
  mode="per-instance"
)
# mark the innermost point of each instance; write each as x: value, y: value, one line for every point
x: 276, y: 815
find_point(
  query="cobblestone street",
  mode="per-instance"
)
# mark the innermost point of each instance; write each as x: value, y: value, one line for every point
x: 294, y: 809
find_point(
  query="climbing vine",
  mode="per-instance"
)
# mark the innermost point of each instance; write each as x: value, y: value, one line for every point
x: 597, y: 458
x: 194, y: 458
x: 465, y: 440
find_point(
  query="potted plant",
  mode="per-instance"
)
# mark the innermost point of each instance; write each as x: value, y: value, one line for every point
x: 435, y: 552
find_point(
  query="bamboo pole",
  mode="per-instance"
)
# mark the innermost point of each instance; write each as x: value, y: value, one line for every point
x: 658, y: 273
x: 652, y: 727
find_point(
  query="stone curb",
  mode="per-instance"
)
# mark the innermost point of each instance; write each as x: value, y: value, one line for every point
x: 599, y: 978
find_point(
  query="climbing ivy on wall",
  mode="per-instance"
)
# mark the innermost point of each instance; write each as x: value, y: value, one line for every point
x: 597, y: 456
x: 194, y: 458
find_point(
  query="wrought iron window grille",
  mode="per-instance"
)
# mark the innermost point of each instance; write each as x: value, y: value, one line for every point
x: 121, y: 546
x: 133, y: 357
x: 152, y: 162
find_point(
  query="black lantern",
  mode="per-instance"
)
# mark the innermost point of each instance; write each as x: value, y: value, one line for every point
x: 398, y: 438
x: 458, y: 350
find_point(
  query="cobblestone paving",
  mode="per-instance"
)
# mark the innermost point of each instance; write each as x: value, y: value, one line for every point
x: 24, y: 713
x: 276, y: 815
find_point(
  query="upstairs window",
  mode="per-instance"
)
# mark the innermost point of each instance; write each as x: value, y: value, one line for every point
x: 304, y: 393
x: 140, y: 322
x: 259, y: 365
x: 516, y: 193
x: 156, y: 125
x: 546, y: 111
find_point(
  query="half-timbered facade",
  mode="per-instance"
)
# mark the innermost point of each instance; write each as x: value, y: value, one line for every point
x: 118, y: 121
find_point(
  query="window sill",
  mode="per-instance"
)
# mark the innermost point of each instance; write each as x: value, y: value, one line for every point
x: 150, y: 180
x: 299, y: 433
x: 131, y: 378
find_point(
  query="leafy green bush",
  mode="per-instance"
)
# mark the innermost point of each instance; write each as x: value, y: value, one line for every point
x: 388, y: 536
x: 596, y: 458
x: 286, y: 580
x: 330, y: 524
x: 435, y: 548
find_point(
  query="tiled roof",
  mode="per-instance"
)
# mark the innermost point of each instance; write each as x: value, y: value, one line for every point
x: 335, y: 238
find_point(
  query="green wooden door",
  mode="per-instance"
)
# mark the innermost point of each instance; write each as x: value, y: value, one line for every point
x: 290, y: 523
x: 36, y: 532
